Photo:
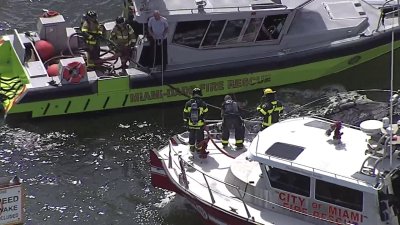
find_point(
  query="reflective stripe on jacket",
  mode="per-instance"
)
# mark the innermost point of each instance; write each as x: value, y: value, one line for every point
x: 92, y: 30
x: 123, y: 36
x: 271, y: 112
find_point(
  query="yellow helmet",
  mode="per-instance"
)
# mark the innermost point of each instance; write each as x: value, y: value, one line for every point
x: 268, y: 91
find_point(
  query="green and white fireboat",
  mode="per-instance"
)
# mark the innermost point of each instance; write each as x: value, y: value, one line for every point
x: 222, y: 47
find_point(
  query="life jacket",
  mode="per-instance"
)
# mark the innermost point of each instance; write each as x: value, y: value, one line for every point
x: 231, y: 108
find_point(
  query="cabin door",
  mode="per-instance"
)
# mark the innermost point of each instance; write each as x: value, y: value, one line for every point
x: 151, y: 53
x: 139, y: 50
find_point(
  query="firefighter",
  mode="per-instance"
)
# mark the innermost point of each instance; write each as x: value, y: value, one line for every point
x: 270, y: 108
x: 92, y: 31
x: 231, y: 119
x: 193, y: 116
x: 124, y: 37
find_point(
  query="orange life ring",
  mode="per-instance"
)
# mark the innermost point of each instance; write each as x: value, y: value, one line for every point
x: 50, y: 13
x: 74, y: 72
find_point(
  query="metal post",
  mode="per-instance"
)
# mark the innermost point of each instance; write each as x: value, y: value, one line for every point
x: 184, y: 178
x: 169, y: 155
x: 244, y: 204
x: 162, y: 80
x: 209, y: 189
x: 391, y: 94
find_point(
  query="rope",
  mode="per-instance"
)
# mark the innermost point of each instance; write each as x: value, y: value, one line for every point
x: 305, y: 105
x: 168, y: 84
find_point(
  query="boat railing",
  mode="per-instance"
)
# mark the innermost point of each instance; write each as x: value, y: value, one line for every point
x: 294, y: 166
x: 314, y: 171
x: 183, y: 177
x: 241, y: 193
x: 218, y: 9
x: 209, y: 188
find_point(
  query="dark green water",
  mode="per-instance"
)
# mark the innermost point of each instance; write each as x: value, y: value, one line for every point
x: 93, y: 168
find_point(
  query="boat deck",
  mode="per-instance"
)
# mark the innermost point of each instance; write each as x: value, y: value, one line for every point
x: 232, y: 181
x: 214, y: 171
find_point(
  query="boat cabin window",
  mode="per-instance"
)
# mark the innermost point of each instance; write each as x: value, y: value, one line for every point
x: 221, y: 32
x: 289, y: 181
x: 213, y: 33
x: 190, y: 33
x: 271, y: 27
x: 339, y: 195
x: 252, y: 30
x: 231, y: 32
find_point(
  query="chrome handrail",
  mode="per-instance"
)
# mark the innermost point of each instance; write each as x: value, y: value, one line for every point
x: 169, y: 154
x: 181, y: 162
x: 183, y: 172
x: 244, y: 203
x: 241, y: 198
x: 315, y: 170
x: 209, y: 189
x: 193, y: 10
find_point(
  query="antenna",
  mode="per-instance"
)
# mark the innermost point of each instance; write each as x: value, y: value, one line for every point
x: 391, y: 88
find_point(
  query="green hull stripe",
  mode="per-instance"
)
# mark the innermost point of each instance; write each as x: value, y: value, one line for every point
x: 46, y: 109
x: 126, y: 98
x: 86, y: 105
x: 105, y: 103
x: 68, y: 105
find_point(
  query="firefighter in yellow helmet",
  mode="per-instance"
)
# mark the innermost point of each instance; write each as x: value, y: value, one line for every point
x: 124, y: 37
x: 92, y: 31
x: 270, y: 108
x: 193, y: 116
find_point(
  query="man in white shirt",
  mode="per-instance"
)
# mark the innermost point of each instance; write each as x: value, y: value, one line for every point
x: 158, y: 30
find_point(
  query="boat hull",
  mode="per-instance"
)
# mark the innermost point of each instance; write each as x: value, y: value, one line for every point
x: 122, y: 92
x: 209, y: 213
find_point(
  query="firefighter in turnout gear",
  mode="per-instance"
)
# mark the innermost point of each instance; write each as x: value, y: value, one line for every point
x: 231, y: 119
x: 193, y: 117
x: 124, y: 37
x: 270, y: 108
x: 92, y: 31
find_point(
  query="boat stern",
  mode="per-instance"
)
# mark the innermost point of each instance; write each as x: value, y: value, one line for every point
x: 159, y: 175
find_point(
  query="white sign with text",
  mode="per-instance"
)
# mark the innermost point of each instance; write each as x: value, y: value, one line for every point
x: 11, y: 205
